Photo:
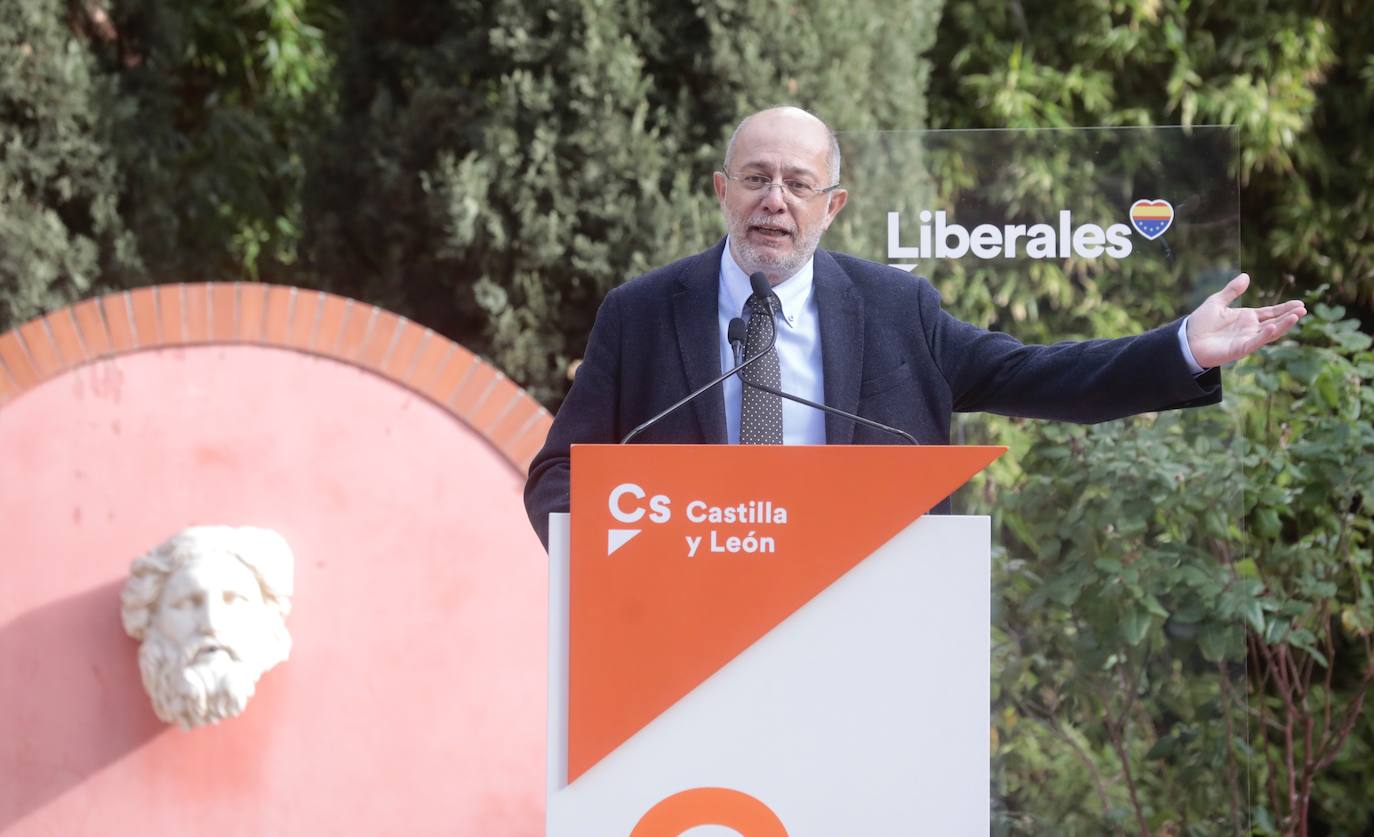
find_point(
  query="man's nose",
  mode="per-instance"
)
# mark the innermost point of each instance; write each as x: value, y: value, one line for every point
x: 774, y: 197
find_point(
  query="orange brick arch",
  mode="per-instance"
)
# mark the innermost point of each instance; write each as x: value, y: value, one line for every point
x: 285, y: 317
x: 390, y: 458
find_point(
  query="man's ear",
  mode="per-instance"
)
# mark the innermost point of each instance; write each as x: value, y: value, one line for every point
x: 719, y: 181
x: 838, y: 198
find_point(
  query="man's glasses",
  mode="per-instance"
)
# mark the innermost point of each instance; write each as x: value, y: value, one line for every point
x: 799, y: 189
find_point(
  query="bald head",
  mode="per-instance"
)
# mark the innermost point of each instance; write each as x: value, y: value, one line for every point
x: 801, y: 125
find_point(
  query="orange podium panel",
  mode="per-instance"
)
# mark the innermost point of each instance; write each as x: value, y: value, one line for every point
x: 684, y: 556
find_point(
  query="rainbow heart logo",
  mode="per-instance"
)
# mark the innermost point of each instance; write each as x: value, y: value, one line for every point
x: 1152, y: 217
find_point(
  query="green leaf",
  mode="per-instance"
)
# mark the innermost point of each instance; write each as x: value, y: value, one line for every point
x: 1267, y: 523
x: 1165, y: 747
x: 1135, y: 624
x: 1275, y: 632
x: 1214, y: 641
x: 1153, y: 606
x: 1304, y: 639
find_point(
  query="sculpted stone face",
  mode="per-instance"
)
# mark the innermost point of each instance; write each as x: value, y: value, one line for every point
x: 213, y: 605
x: 209, y: 606
x: 770, y: 230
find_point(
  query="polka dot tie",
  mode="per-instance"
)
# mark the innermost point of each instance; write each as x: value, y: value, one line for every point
x: 760, y: 412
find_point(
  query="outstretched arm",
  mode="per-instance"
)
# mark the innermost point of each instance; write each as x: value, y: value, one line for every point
x: 1219, y: 334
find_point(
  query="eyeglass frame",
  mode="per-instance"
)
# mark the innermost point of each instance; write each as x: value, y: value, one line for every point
x: 781, y: 184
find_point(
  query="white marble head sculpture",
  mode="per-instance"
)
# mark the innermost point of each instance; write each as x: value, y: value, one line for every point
x: 209, y: 606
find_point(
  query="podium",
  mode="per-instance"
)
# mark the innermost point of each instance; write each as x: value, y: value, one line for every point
x: 771, y: 639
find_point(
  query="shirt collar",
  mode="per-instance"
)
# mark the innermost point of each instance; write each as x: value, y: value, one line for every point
x: 792, y: 293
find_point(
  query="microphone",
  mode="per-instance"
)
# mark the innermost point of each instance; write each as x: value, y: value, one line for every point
x: 737, y: 333
x: 759, y: 282
x: 763, y: 290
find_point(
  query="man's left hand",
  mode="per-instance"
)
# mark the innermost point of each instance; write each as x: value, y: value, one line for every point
x: 1218, y: 333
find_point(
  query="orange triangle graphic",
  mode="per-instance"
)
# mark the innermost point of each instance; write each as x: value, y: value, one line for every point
x: 651, y: 623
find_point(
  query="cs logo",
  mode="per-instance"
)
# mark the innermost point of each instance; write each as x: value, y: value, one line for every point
x: 629, y: 504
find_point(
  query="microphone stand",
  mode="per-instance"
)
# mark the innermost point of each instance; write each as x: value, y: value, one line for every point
x: 824, y: 408
x: 773, y: 339
x: 759, y: 282
x: 646, y: 425
x: 761, y: 288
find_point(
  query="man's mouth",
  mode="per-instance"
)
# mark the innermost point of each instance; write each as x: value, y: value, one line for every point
x: 769, y: 231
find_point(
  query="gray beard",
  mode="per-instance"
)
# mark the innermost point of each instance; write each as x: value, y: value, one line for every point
x: 193, y: 695
x: 752, y: 259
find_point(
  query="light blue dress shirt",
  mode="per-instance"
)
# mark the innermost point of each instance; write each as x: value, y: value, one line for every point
x: 799, y: 349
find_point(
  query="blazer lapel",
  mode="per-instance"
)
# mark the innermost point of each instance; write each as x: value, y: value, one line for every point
x: 695, y: 305
x: 842, y: 344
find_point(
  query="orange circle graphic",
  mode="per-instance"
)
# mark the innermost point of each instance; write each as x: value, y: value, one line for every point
x: 709, y: 806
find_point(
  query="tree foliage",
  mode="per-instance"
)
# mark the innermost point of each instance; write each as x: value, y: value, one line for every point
x: 217, y: 107
x: 151, y: 142
x: 1133, y: 603
x: 1296, y: 78
x: 60, y: 181
x: 1296, y: 81
x: 497, y: 167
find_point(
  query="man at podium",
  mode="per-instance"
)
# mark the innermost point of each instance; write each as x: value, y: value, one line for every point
x: 857, y: 337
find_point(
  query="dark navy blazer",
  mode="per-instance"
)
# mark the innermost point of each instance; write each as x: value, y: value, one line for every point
x: 889, y: 351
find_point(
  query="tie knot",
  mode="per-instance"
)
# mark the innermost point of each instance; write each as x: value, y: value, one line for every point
x: 757, y: 305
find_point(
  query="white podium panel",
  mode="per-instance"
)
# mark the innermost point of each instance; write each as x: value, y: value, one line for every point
x: 865, y: 712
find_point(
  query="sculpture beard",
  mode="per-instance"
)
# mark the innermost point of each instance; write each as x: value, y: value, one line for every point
x: 203, y: 684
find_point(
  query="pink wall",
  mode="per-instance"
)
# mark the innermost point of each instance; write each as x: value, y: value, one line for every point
x: 413, y: 702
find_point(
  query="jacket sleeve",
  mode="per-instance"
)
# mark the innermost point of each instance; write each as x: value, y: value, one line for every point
x: 589, y: 414
x: 1087, y: 382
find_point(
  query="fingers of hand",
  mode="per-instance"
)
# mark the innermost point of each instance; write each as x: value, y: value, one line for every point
x: 1271, y: 330
x: 1283, y: 309
x: 1233, y: 289
x: 1282, y: 325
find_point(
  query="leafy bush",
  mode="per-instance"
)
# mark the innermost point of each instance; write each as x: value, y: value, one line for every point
x: 1144, y: 560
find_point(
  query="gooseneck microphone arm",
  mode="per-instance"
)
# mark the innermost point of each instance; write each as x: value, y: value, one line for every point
x: 736, y: 335
x: 741, y: 364
x: 833, y: 411
x: 767, y: 293
x: 651, y: 422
